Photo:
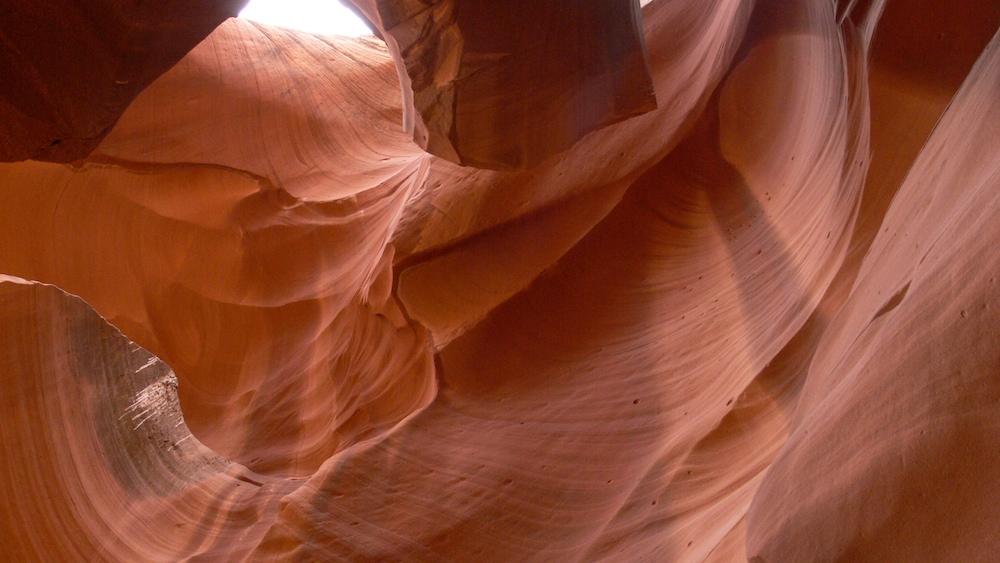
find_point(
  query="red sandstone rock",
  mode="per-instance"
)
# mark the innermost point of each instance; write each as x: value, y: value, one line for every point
x: 505, y: 85
x: 69, y: 69
x: 755, y: 322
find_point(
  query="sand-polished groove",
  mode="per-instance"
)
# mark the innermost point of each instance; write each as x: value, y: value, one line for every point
x: 751, y: 321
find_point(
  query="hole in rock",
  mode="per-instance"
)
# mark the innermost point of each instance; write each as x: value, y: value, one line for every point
x: 324, y: 17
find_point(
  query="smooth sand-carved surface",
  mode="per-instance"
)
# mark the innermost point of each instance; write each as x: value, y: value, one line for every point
x: 751, y: 320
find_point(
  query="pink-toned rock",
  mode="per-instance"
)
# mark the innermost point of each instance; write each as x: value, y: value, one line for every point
x: 505, y: 85
x: 753, y: 322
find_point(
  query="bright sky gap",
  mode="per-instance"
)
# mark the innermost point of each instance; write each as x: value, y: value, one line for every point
x: 326, y: 17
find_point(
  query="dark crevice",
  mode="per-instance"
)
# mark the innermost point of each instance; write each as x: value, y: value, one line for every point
x: 893, y: 301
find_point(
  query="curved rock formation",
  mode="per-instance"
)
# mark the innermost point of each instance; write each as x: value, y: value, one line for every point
x: 70, y: 69
x: 753, y: 322
x: 506, y: 85
x: 98, y: 463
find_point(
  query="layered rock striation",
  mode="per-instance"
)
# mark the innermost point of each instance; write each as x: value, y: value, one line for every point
x: 724, y: 289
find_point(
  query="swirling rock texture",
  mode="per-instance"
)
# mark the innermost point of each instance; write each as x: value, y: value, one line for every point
x: 720, y: 283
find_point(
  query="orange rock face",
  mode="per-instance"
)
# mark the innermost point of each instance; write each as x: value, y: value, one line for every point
x: 707, y: 280
x: 69, y: 68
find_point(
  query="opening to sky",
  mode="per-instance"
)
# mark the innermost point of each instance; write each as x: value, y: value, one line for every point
x: 327, y: 17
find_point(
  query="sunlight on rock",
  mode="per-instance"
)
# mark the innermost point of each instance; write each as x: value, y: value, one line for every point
x: 533, y: 280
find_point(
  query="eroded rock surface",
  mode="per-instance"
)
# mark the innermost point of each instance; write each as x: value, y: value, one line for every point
x: 505, y: 85
x: 756, y: 321
x: 70, y: 68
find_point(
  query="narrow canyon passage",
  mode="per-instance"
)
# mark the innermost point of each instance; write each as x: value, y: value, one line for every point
x: 676, y: 280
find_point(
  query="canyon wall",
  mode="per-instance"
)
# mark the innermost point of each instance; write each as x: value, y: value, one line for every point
x: 701, y: 280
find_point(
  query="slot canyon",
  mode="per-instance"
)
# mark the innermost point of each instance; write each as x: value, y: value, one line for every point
x: 509, y: 280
